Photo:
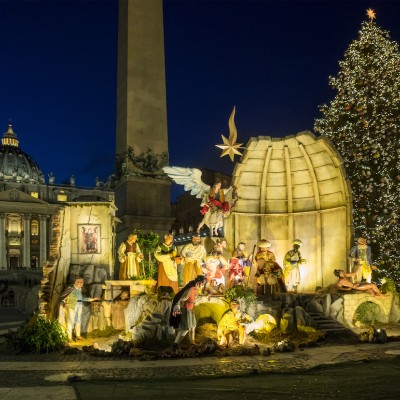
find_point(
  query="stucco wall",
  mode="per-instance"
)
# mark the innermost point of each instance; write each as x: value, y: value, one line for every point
x: 65, y: 251
x: 99, y: 215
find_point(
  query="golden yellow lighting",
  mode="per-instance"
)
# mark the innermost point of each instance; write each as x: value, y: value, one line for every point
x: 371, y: 14
x: 230, y: 147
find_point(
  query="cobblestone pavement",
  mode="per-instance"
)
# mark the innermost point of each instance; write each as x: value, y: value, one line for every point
x: 365, y: 380
x: 47, y: 370
x: 49, y: 376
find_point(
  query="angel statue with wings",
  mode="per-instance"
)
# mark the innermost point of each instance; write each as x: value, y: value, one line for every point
x: 217, y: 203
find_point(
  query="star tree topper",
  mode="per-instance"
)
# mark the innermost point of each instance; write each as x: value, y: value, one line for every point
x: 230, y: 147
x: 371, y: 14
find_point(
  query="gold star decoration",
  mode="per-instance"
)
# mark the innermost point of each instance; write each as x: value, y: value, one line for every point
x: 230, y: 147
x: 371, y: 14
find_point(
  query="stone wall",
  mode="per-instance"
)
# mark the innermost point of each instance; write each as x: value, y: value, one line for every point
x: 352, y: 301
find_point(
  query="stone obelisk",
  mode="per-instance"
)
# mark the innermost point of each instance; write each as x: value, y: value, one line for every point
x: 142, y: 194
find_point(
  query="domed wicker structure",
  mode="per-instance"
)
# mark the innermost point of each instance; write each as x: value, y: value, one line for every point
x: 15, y: 165
x: 294, y: 188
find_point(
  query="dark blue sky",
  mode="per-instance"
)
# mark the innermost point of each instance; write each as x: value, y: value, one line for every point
x: 271, y: 59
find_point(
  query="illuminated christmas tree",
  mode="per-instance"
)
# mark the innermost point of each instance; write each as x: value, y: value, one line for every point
x: 363, y: 123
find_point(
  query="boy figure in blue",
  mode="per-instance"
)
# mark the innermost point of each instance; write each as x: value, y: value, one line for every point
x: 72, y: 299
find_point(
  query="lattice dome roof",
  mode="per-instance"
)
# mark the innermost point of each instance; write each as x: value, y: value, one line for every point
x: 293, y: 174
x: 15, y: 165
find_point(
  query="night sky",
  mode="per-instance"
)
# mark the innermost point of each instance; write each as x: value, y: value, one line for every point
x: 270, y: 59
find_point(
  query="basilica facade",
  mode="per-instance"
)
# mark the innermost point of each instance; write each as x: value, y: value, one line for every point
x: 29, y: 204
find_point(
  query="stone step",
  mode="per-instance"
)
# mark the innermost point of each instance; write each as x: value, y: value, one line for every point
x: 332, y: 330
x: 330, y: 327
x: 317, y: 315
x: 323, y: 320
x: 327, y: 324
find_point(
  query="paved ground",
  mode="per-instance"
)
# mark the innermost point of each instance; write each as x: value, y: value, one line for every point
x: 47, y: 379
x: 10, y: 318
x: 367, y: 381
x: 50, y: 376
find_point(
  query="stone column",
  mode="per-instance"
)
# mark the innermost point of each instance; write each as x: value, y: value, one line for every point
x: 50, y: 236
x: 26, y: 259
x: 3, y: 251
x: 42, y: 240
x: 143, y: 201
x: 141, y: 94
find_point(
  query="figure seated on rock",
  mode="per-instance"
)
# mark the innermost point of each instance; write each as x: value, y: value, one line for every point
x: 344, y: 283
x: 269, y: 274
x: 234, y: 322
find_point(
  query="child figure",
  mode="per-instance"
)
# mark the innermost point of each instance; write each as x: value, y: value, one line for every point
x: 214, y: 271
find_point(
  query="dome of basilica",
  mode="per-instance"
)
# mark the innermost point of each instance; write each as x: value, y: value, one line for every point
x: 15, y: 165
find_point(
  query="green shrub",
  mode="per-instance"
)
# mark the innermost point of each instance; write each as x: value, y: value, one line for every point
x: 389, y: 269
x: 241, y: 293
x: 388, y: 285
x: 367, y: 313
x: 40, y: 335
x: 148, y: 243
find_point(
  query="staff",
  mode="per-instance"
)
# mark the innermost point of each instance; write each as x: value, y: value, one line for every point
x: 252, y: 263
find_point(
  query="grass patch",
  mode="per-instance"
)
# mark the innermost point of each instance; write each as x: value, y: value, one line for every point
x: 40, y: 335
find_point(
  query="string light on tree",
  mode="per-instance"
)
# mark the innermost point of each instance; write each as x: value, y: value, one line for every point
x: 363, y: 122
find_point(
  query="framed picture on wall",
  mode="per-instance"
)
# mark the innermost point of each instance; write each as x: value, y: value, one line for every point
x: 89, y: 239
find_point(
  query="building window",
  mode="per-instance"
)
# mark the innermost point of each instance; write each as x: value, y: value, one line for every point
x: 34, y: 228
x: 35, y: 195
x: 14, y: 225
x: 62, y: 197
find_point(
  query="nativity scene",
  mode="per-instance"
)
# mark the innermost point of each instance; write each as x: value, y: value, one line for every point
x: 285, y: 196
